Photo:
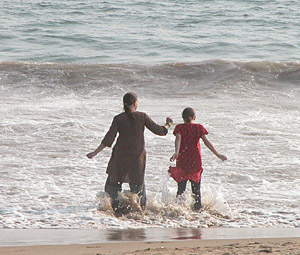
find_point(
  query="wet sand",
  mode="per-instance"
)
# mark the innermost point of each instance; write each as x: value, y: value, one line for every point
x: 192, y: 247
x: 180, y: 241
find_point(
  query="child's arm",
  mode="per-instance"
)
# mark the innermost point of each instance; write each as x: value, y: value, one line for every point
x: 177, y: 147
x: 212, y: 148
x: 95, y: 152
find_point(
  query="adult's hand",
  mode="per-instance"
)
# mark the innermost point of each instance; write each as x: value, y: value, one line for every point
x: 169, y: 120
x: 91, y: 154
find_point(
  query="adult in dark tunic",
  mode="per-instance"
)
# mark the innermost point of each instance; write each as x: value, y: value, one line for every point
x: 128, y: 159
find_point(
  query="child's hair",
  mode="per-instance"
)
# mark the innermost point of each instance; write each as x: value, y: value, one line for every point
x: 129, y: 99
x: 188, y: 114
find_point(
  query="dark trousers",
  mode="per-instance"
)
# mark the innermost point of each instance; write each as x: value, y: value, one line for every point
x: 113, y: 189
x: 195, y: 190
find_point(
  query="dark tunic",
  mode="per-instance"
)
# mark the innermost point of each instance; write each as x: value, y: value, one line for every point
x: 129, y: 156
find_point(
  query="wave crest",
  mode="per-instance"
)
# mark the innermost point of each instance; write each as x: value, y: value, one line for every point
x: 163, y: 79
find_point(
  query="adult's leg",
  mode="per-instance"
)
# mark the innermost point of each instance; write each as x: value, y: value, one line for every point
x: 140, y: 190
x: 181, y: 187
x: 112, y: 190
x: 197, y: 194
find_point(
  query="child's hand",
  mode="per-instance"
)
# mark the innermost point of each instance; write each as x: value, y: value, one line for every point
x: 174, y: 157
x: 222, y: 157
x: 91, y: 154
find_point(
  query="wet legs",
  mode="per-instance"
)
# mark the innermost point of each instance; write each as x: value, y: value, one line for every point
x: 113, y: 189
x: 195, y: 190
x: 140, y: 191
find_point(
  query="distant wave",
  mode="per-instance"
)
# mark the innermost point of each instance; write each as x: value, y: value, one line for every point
x: 170, y: 78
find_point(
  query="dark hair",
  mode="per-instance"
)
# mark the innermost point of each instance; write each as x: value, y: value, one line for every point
x: 188, y: 114
x: 128, y: 100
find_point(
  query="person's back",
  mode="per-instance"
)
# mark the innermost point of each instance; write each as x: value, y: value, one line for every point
x: 131, y: 132
x: 191, y: 133
x: 188, y: 156
x: 128, y: 160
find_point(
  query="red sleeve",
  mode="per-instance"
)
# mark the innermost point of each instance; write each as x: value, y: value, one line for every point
x: 177, y: 130
x: 203, y: 131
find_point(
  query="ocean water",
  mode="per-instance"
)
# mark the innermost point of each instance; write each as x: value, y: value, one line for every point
x: 64, y: 67
x: 91, y: 31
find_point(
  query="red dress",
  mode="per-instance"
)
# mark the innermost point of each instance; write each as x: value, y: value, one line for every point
x: 188, y: 163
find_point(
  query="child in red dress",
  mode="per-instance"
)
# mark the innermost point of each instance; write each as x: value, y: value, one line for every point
x: 187, y: 154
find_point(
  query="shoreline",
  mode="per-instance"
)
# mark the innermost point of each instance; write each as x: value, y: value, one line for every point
x: 221, y: 246
x: 37, y: 237
x: 150, y: 241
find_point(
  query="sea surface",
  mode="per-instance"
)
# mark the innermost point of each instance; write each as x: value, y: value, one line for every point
x: 65, y: 66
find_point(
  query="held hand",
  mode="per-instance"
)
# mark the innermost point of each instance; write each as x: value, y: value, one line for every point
x: 222, y: 157
x: 91, y: 154
x: 169, y: 120
x: 174, y: 157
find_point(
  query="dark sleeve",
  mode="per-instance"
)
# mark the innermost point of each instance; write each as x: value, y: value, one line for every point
x: 111, y: 134
x: 154, y: 128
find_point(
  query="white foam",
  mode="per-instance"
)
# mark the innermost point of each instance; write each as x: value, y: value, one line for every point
x: 47, y: 182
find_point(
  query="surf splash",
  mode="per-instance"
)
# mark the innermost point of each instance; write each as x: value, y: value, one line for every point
x: 168, y: 210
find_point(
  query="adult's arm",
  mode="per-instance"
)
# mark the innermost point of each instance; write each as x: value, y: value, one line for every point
x: 155, y: 128
x: 107, y: 140
x: 111, y: 133
x: 95, y: 152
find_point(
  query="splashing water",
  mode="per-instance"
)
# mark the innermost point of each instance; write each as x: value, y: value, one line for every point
x: 169, y: 210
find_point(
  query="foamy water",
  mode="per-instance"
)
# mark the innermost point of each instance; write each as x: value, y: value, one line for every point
x: 52, y: 115
x: 64, y: 67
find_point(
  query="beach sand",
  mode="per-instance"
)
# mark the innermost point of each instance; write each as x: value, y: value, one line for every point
x: 152, y: 241
x: 191, y: 247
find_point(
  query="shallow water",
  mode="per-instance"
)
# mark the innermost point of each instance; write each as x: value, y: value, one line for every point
x: 53, y: 114
x: 64, y: 67
x: 20, y: 237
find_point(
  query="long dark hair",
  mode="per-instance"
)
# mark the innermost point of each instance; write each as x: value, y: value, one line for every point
x: 188, y: 114
x: 128, y: 100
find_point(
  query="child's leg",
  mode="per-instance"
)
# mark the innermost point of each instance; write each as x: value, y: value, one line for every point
x: 140, y: 191
x: 181, y: 187
x: 197, y: 194
x: 112, y: 190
